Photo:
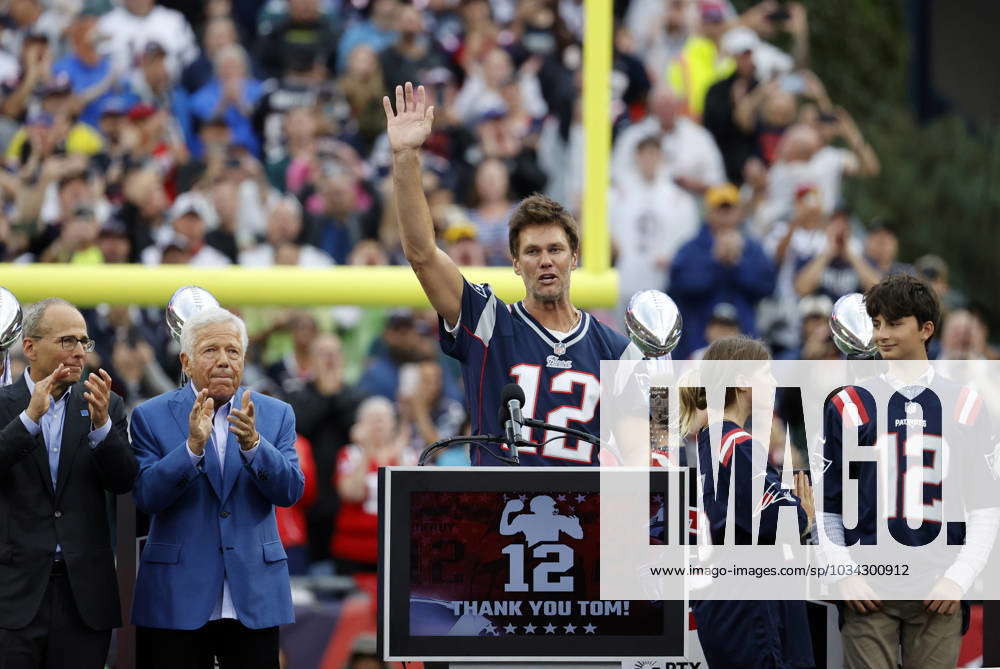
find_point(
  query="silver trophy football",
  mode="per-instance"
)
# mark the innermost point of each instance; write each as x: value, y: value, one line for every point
x: 852, y: 328
x: 184, y: 303
x: 653, y: 323
x: 10, y: 331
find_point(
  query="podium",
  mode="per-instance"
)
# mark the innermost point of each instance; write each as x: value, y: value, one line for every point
x: 481, y: 566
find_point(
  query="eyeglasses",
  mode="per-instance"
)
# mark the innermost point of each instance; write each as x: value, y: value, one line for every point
x: 69, y: 342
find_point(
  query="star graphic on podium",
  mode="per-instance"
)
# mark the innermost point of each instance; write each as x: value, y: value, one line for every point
x: 570, y: 629
x: 529, y: 629
x: 561, y: 498
x: 509, y: 628
x: 581, y: 498
x: 522, y: 497
x: 657, y: 498
x: 550, y: 629
x: 589, y: 629
x: 491, y: 629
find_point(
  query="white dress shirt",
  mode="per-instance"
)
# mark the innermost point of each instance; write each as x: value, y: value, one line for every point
x: 219, y: 439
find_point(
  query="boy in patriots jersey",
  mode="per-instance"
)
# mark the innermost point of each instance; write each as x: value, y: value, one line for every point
x: 905, y: 312
x: 745, y: 634
x: 543, y: 343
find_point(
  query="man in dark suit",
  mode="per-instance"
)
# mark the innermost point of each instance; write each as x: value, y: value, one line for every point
x: 64, y: 446
x: 215, y: 460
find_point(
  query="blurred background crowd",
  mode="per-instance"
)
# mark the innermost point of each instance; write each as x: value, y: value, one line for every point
x: 251, y: 132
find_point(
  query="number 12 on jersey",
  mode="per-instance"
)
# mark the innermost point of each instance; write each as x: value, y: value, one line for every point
x: 559, y: 413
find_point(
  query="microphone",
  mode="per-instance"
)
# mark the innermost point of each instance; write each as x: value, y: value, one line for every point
x: 511, y: 399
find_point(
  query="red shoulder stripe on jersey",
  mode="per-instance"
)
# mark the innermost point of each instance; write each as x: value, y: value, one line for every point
x: 968, y: 406
x: 737, y: 436
x: 856, y: 399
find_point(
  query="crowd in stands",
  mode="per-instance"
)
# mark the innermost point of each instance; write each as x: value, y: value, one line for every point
x: 251, y: 132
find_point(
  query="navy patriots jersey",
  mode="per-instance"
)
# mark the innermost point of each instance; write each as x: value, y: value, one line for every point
x: 939, y: 400
x: 499, y: 344
x: 747, y: 634
x: 737, y: 447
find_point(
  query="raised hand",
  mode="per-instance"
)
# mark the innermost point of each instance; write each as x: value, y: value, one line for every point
x: 99, y: 397
x: 200, y: 422
x: 242, y: 423
x: 411, y: 123
x: 41, y: 397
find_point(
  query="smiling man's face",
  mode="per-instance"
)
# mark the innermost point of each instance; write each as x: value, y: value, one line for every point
x: 544, y: 261
x: 45, y: 353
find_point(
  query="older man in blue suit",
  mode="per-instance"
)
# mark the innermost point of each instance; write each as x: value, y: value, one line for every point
x: 214, y: 461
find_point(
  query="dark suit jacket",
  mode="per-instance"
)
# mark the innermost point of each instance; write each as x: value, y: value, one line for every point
x: 34, y: 517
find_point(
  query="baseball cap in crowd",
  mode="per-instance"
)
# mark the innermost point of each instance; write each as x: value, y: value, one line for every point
x: 399, y: 319
x: 114, y: 105
x: 59, y: 84
x: 725, y: 314
x: 815, y: 305
x: 459, y: 230
x: 726, y: 194
x: 141, y: 111
x: 153, y: 48
x: 739, y: 40
x: 713, y: 11
x: 931, y: 267
x: 36, y: 36
x: 194, y: 203
x: 492, y: 114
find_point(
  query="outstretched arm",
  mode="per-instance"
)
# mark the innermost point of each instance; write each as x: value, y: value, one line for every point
x: 408, y: 127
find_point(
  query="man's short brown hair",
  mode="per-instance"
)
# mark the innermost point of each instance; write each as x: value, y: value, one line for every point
x: 539, y: 210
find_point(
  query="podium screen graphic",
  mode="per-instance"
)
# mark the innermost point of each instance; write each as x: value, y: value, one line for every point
x: 505, y: 563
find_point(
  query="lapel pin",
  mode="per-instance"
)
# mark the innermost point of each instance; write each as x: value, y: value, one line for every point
x: 84, y: 412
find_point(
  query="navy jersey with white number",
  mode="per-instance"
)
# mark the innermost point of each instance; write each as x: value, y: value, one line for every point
x: 916, y: 418
x: 499, y: 344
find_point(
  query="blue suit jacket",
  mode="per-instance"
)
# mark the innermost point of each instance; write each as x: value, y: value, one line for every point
x: 213, y: 520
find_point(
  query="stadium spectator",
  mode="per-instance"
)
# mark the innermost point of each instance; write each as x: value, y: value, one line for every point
x: 232, y: 94
x: 492, y: 207
x: 700, y: 62
x: 35, y: 69
x: 219, y: 32
x: 403, y: 341
x: 721, y: 264
x: 736, y: 144
x: 690, y: 153
x: 660, y: 30
x: 306, y: 32
x: 284, y: 227
x: 933, y: 269
x: 113, y: 242
x: 130, y: 26
x: 325, y: 407
x: 723, y: 323
x: 189, y: 218
x: 413, y: 56
x: 294, y: 367
x: 362, y: 85
x: 90, y: 72
x: 839, y: 266
x: 430, y: 414
x: 340, y: 224
x: 377, y: 440
x: 650, y: 218
x: 153, y: 84
x: 378, y: 31
x: 482, y: 91
x: 882, y: 249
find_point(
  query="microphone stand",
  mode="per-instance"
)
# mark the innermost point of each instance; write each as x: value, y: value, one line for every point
x: 438, y: 446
